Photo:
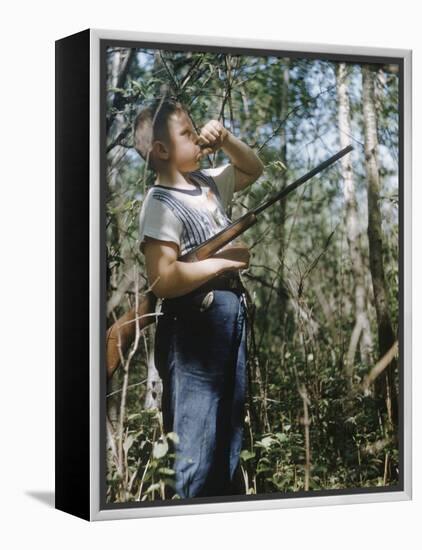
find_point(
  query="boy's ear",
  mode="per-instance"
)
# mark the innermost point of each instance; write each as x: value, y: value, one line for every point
x: 161, y: 150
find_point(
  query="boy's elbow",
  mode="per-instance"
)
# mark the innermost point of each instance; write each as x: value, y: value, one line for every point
x: 163, y: 287
x: 258, y: 172
x: 159, y: 293
x: 244, y: 179
x: 160, y: 288
x: 165, y: 292
x: 260, y: 168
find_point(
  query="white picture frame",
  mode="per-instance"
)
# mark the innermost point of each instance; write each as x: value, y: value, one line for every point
x: 79, y: 422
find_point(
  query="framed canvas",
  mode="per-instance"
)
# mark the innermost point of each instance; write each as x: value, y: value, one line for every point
x: 233, y: 274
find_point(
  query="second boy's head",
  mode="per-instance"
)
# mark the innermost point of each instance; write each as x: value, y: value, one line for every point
x: 164, y: 136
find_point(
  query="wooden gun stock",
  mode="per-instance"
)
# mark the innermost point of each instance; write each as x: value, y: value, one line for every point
x: 220, y: 240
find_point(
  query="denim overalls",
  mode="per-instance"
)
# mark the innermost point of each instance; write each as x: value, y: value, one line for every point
x: 200, y: 354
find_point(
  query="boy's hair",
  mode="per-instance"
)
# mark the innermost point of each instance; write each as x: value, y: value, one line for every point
x: 150, y: 124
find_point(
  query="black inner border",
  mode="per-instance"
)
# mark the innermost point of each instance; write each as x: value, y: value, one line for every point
x: 349, y: 58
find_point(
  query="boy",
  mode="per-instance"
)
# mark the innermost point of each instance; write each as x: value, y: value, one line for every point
x: 200, y: 343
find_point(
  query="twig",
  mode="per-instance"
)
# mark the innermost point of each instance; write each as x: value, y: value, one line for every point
x: 142, y: 479
x: 130, y: 386
x: 126, y: 375
x: 111, y: 440
x: 306, y: 422
x: 379, y: 367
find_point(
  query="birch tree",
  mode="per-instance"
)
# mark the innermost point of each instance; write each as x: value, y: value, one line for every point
x: 384, y: 385
x: 284, y: 107
x: 362, y: 330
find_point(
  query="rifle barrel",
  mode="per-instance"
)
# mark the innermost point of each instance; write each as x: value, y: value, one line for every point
x: 301, y: 180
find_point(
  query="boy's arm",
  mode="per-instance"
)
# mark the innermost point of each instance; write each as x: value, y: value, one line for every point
x: 247, y: 165
x: 178, y: 278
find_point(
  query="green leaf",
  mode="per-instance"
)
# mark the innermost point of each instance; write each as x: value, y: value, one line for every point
x: 173, y: 437
x: 135, y: 415
x: 116, y: 90
x: 160, y: 449
x: 278, y: 165
x: 166, y: 471
x: 153, y: 487
x: 263, y: 468
x: 267, y: 442
x: 128, y: 443
x: 246, y: 455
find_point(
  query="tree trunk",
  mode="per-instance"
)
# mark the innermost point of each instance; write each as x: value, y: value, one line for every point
x: 384, y: 385
x: 362, y: 324
x: 282, y: 115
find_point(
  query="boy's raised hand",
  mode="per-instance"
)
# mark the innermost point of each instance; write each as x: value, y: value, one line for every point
x: 212, y: 135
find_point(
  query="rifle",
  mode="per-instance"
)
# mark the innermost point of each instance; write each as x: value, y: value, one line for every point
x: 122, y: 332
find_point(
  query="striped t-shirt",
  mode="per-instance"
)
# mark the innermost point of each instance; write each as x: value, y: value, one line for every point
x: 188, y: 217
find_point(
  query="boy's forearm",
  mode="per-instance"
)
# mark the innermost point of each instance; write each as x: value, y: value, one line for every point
x: 179, y: 278
x: 242, y: 156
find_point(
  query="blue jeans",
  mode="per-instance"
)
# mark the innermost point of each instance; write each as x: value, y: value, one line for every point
x: 201, y: 358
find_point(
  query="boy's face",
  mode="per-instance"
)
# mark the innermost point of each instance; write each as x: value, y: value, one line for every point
x: 184, y: 148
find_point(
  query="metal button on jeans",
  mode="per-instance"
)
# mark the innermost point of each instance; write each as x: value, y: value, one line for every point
x: 207, y: 301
